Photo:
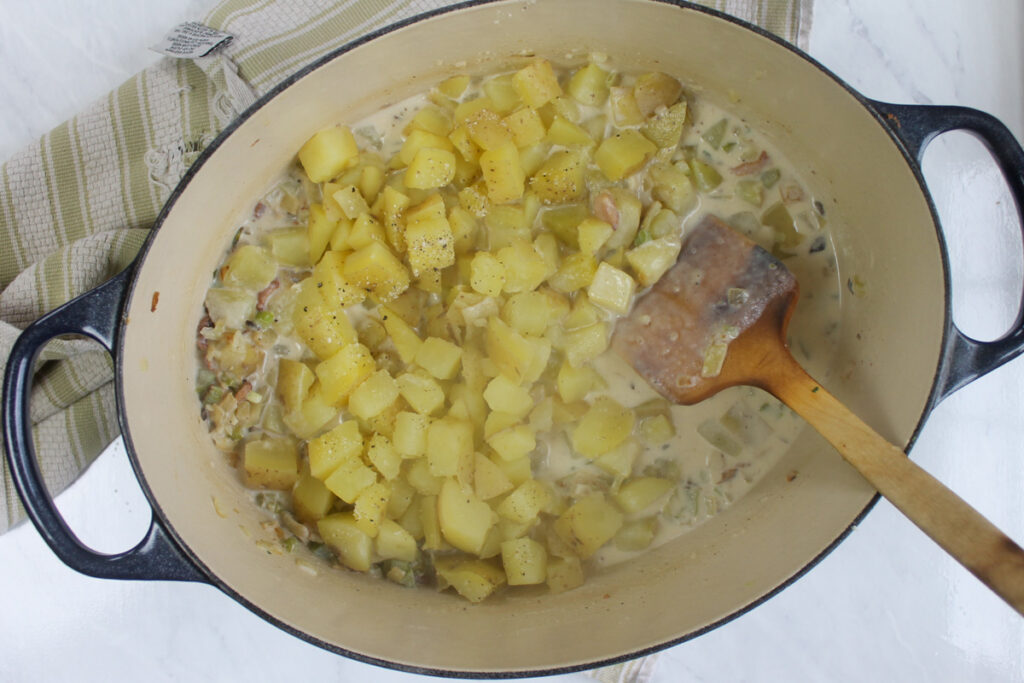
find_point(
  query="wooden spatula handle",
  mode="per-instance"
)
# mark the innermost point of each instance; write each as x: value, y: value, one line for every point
x: 957, y: 527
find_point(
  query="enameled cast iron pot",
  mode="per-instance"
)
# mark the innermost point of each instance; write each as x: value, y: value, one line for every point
x: 900, y: 353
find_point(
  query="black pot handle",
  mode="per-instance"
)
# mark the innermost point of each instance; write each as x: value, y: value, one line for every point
x: 965, y: 359
x: 95, y: 314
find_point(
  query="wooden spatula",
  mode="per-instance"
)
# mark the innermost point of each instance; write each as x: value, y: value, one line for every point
x: 718, y: 318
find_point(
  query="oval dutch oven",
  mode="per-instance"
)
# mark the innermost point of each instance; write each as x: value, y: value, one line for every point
x: 900, y: 353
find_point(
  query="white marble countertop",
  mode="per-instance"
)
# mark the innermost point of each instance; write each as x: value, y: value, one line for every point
x: 887, y: 604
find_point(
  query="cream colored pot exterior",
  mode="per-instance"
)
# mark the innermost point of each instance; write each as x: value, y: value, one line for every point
x: 891, y: 346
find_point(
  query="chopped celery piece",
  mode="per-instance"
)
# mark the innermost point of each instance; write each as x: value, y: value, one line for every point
x: 715, y: 434
x: 705, y: 176
x: 713, y: 135
x: 714, y: 359
x: 778, y: 218
x: 750, y: 191
x: 264, y: 319
x: 770, y: 177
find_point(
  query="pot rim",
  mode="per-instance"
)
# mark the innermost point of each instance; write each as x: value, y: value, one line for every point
x: 160, y: 517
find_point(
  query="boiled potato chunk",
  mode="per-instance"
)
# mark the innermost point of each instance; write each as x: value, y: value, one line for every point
x: 564, y: 573
x: 605, y: 426
x: 449, y: 446
x: 588, y: 524
x: 430, y: 168
x: 561, y: 178
x: 311, y: 500
x: 384, y: 457
x: 410, y: 434
x: 502, y: 394
x: 537, y: 83
x: 637, y: 494
x: 471, y: 578
x: 525, y: 503
x: 370, y: 506
x: 340, y: 374
x: 489, y: 481
x: 503, y: 173
x: 374, y: 395
x: 612, y: 288
x: 378, y: 271
x: 395, y: 543
x: 294, y: 380
x: 464, y: 519
x: 353, y: 547
x: 251, y: 267
x: 525, y: 561
x: 328, y: 153
x: 623, y: 153
x: 271, y: 464
x: 350, y: 479
x: 329, y: 450
x: 652, y: 259
x: 439, y: 357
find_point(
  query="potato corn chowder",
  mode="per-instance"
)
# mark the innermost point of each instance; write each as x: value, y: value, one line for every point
x: 405, y: 349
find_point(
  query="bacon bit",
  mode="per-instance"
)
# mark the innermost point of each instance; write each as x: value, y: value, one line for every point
x: 791, y: 476
x: 243, y: 391
x: 259, y: 209
x: 792, y: 193
x: 153, y: 303
x: 223, y: 272
x: 751, y: 167
x: 728, y: 474
x: 606, y: 210
x: 261, y: 298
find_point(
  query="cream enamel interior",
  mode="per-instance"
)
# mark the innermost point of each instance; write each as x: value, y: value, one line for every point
x: 885, y: 369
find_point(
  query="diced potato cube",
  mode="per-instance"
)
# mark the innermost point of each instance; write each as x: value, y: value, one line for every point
x: 665, y: 127
x: 432, y: 538
x: 403, y: 336
x: 454, y: 86
x: 430, y: 168
x: 507, y: 396
x: 464, y: 519
x: 465, y: 146
x: 584, y: 344
x: 250, y: 266
x: 639, y: 493
x: 655, y: 89
x: 575, y: 272
x: 592, y: 234
x: 377, y: 270
x: 473, y: 579
x: 561, y: 178
x: 329, y: 278
x: 489, y: 481
x: 625, y: 111
x: 637, y: 535
x: 612, y: 289
x: 293, y: 382
x: 402, y: 496
x: 529, y: 312
x: 503, y: 173
x: 465, y: 229
x: 589, y: 85
x: 623, y: 153
x: 514, y: 442
x: 351, y: 202
x: 364, y: 230
x: 449, y: 446
x: 487, y: 130
x: 369, y: 507
x: 537, y: 83
x: 439, y: 357
x: 564, y: 573
x: 319, y: 231
x: 652, y: 259
x: 374, y: 395
x: 328, y: 153
x: 618, y: 462
x: 350, y: 479
x: 487, y: 274
x: 588, y: 524
x: 605, y: 426
x: 568, y: 134
x: 410, y: 434
x: 496, y: 421
x: 431, y: 119
x: 329, y: 450
x: 311, y: 500
x: 395, y: 543
x: 417, y: 140
x: 290, y: 247
x: 526, y: 502
x: 323, y: 329
x: 271, y: 463
x: 513, y: 354
x: 501, y: 91
x: 312, y: 416
x: 672, y: 187
x: 353, y: 547
x: 526, y: 127
x: 423, y: 393
x: 657, y: 429
x: 517, y: 471
x: 525, y: 267
x: 340, y: 374
x: 574, y: 383
x: 525, y: 562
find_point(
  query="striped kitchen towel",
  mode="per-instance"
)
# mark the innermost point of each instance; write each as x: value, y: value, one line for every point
x: 76, y: 206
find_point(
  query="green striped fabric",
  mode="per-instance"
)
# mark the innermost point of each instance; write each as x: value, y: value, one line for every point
x: 76, y: 206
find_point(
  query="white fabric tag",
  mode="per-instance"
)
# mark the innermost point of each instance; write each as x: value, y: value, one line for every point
x: 191, y: 40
